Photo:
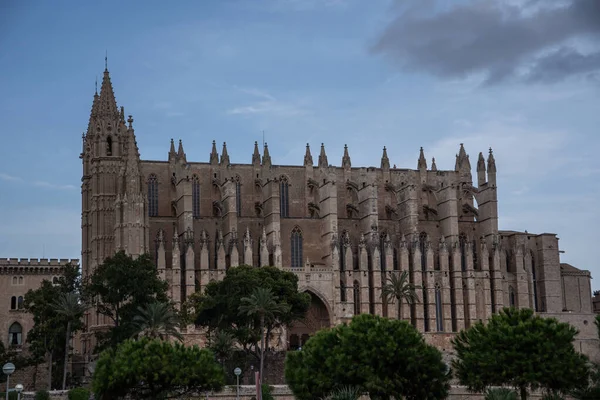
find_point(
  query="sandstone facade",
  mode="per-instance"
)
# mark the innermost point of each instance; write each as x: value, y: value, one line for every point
x: 343, y: 230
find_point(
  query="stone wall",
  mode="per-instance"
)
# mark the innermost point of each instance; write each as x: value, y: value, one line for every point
x: 280, y: 392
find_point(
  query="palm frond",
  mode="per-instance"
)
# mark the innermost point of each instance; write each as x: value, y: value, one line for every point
x: 156, y: 320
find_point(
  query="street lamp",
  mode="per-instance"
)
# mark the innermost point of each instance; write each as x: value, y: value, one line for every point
x: 19, y: 389
x: 8, y: 369
x: 237, y: 373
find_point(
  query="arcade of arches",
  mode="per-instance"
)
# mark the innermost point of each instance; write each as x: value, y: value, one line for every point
x: 317, y: 317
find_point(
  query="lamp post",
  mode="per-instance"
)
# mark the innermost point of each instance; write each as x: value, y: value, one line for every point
x: 19, y: 389
x: 237, y: 373
x: 8, y: 369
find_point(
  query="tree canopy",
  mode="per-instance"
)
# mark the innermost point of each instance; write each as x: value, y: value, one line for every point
x: 155, y: 369
x: 46, y: 338
x: 375, y: 355
x: 118, y: 287
x: 218, y: 307
x: 520, y: 349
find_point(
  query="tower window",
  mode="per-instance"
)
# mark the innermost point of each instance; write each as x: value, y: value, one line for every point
x: 20, y: 302
x: 196, y: 196
x: 109, y: 146
x: 296, y: 248
x: 511, y: 296
x: 382, y: 255
x: 152, y: 196
x: 535, y: 283
x: 13, y: 303
x: 15, y: 334
x: 284, y: 206
x: 342, y: 291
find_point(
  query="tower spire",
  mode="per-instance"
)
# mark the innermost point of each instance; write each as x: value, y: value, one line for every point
x: 225, y: 156
x: 462, y: 160
x: 323, y: 157
x: 256, y: 155
x: 346, y: 163
x: 385, y: 161
x: 422, y: 164
x: 491, y: 164
x: 172, y: 149
x: 433, y: 166
x: 480, y: 170
x: 308, y: 160
x: 214, y: 156
x: 107, y: 102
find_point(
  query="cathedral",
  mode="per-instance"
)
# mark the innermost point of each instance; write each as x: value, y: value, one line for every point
x: 343, y: 230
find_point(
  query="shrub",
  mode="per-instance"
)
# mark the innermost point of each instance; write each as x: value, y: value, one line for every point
x: 42, y: 395
x: 79, y: 394
x: 552, y: 396
x: 267, y: 392
x: 344, y: 393
x: 11, y: 395
x: 500, y: 394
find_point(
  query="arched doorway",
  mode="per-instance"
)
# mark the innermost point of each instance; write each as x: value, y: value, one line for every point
x: 317, y: 317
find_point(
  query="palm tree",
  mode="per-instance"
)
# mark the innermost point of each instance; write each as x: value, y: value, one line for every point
x: 70, y: 306
x: 398, y: 287
x: 156, y: 321
x: 344, y: 393
x: 221, y: 343
x: 263, y: 304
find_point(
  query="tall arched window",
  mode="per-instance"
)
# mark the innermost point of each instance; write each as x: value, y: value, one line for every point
x: 13, y: 303
x: 382, y: 258
x: 475, y: 259
x: 507, y: 261
x: 284, y: 203
x: 14, y: 280
x: 356, y: 295
x: 238, y: 196
x: 423, y: 249
x: 462, y: 241
x: 196, y: 196
x: 439, y: 320
x: 152, y: 196
x: 426, y: 309
x: 296, y: 248
x: 534, y: 278
x: 511, y: 297
x: 15, y: 334
x: 20, y: 302
x: 343, y: 239
x: 342, y: 291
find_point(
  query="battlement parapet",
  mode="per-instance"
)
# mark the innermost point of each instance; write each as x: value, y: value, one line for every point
x: 37, y: 262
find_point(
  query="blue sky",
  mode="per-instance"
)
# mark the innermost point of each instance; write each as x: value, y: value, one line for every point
x: 521, y: 76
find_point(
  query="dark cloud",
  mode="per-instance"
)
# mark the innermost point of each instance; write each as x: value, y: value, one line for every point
x: 496, y: 38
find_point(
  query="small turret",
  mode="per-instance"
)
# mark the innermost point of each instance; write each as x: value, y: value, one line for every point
x: 491, y: 169
x: 256, y: 155
x: 346, y: 163
x: 180, y: 152
x: 481, y: 170
x: 214, y: 156
x: 422, y: 164
x: 385, y: 161
x: 308, y: 160
x: 323, y: 158
x: 433, y: 166
x: 266, y: 161
x: 462, y: 160
x: 172, y: 153
x: 224, y: 156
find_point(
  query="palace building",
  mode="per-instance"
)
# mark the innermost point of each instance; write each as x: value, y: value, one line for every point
x: 342, y: 229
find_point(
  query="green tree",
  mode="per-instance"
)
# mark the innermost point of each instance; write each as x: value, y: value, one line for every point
x: 156, y: 321
x: 155, y: 369
x: 222, y: 345
x: 398, y: 287
x: 520, y: 349
x: 264, y: 305
x: 376, y: 355
x: 117, y: 288
x: 217, y: 309
x: 344, y: 393
x: 46, y: 338
x: 69, y: 305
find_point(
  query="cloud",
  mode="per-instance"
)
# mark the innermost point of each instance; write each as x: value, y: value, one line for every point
x: 12, y: 178
x: 529, y: 41
x: 7, y: 177
x: 268, y: 105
